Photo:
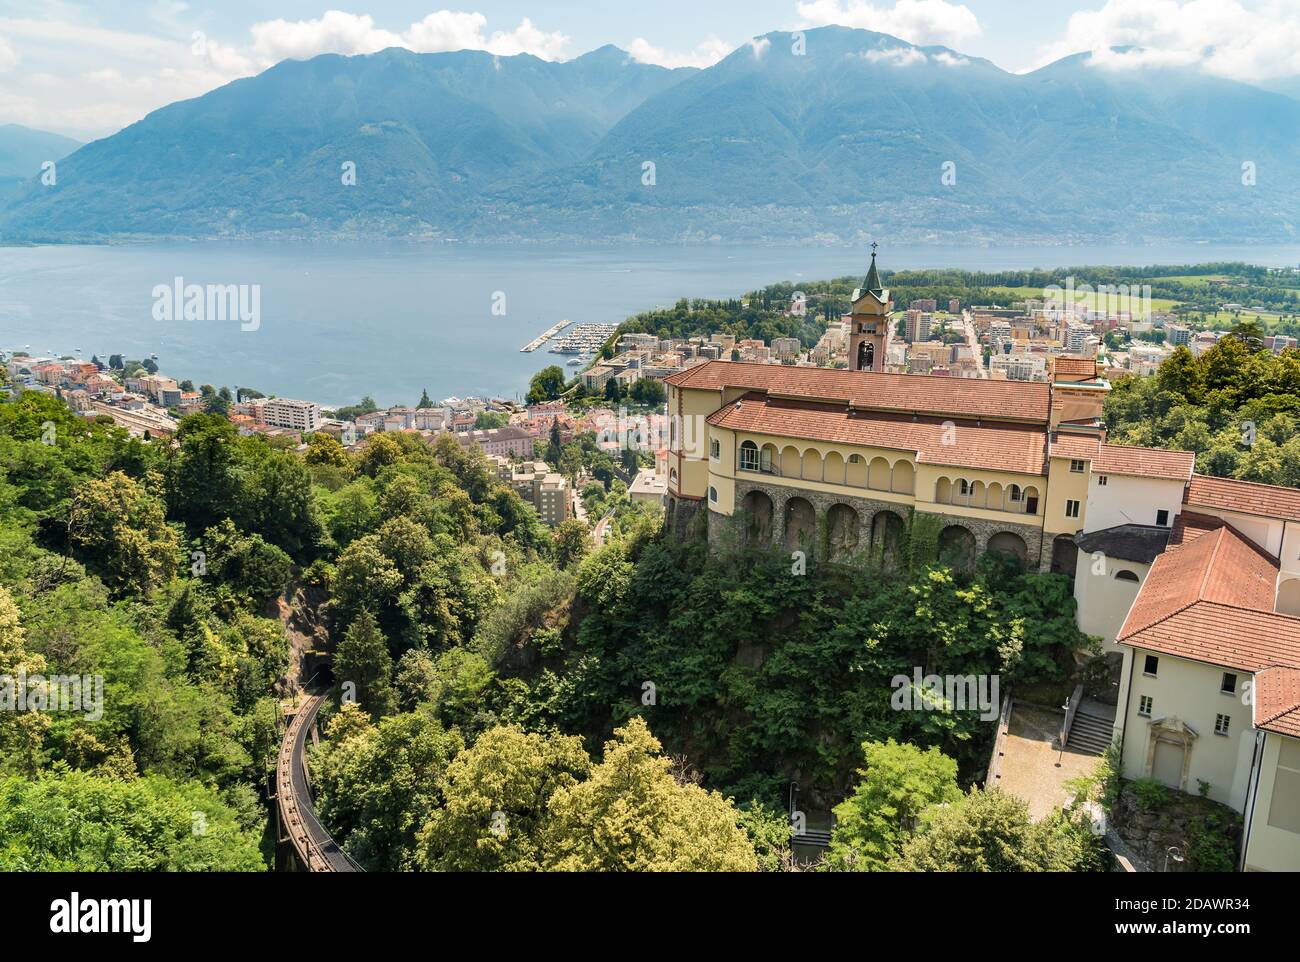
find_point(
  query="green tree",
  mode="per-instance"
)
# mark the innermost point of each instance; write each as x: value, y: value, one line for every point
x: 121, y: 532
x: 254, y: 570
x: 988, y: 832
x: 546, y: 385
x: 380, y: 784
x: 572, y: 542
x: 79, y: 822
x: 363, y: 661
x: 325, y: 449
x: 896, y: 784
x: 630, y: 815
x: 497, y: 802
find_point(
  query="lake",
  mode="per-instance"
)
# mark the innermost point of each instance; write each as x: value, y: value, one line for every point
x: 338, y: 321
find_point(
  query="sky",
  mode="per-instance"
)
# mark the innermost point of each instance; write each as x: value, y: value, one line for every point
x: 87, y: 69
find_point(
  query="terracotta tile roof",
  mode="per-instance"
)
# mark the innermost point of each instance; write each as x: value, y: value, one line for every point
x: 1211, y: 599
x: 1188, y: 526
x: 960, y: 397
x: 1277, y: 700
x: 1144, y: 462
x: 997, y: 446
x: 1075, y: 447
x: 1075, y: 365
x: 1234, y: 638
x: 1245, y: 496
x: 1222, y: 566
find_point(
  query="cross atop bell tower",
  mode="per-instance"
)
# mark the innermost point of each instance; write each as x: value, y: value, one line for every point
x: 869, y: 322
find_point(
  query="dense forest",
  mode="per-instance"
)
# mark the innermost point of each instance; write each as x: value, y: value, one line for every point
x: 1236, y: 406
x: 504, y: 696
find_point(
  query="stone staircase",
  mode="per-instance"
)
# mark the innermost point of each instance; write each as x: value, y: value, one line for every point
x: 1090, y: 734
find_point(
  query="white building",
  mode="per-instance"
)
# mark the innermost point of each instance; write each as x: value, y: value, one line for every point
x: 287, y: 413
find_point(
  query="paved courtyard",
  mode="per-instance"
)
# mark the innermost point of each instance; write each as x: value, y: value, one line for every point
x: 1033, y: 768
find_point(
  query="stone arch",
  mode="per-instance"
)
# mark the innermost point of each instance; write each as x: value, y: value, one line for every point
x: 888, y: 538
x: 1288, y: 597
x: 1030, y: 502
x: 791, y: 462
x: 812, y: 467
x: 997, y: 497
x: 855, y: 472
x: 1065, y: 555
x: 843, y: 530
x: 1008, y: 542
x: 833, y: 469
x: 957, y: 547
x: 904, y: 477
x: 757, y: 508
x: 878, y: 474
x: 800, y: 525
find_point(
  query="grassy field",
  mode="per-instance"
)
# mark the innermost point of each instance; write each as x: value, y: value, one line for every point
x: 1093, y: 299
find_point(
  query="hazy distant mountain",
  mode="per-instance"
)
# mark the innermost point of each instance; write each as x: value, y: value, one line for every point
x: 23, y: 151
x: 850, y: 139
x: 425, y: 132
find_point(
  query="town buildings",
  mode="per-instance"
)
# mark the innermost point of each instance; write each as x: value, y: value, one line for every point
x: 1192, y: 582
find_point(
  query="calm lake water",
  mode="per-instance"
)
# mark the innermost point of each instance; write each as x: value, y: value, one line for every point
x: 339, y: 321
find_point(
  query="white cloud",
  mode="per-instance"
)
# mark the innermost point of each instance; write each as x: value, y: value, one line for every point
x: 916, y: 21
x: 89, y: 80
x: 760, y: 46
x: 706, y: 53
x: 896, y: 56
x: 333, y: 32
x: 346, y: 33
x: 1225, y: 37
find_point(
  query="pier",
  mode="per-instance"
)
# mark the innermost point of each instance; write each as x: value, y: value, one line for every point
x: 541, y: 339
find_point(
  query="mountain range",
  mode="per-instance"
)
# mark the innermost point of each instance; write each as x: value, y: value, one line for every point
x: 845, y: 135
x: 23, y: 151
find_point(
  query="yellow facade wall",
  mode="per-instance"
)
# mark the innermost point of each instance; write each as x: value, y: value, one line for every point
x: 1064, y: 485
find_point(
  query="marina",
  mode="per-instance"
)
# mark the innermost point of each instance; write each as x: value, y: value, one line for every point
x: 584, y: 339
x: 545, y: 336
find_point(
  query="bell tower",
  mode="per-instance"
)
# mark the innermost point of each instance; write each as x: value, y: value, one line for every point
x: 869, y: 323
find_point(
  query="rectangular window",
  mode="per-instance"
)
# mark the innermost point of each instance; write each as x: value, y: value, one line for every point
x: 1144, y: 705
x: 1151, y: 666
x: 1072, y: 509
x: 1076, y: 466
x: 1229, y: 684
x: 1162, y: 519
x: 1221, y: 723
x: 1102, y: 480
x: 715, y: 449
x: 748, y: 458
